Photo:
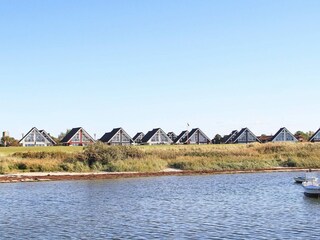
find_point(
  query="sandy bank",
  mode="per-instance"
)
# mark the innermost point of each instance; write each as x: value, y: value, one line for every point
x: 66, y: 176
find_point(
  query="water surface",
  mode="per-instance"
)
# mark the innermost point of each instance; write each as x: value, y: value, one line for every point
x: 241, y: 206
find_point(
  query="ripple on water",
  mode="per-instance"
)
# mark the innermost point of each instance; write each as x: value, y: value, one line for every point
x: 242, y: 206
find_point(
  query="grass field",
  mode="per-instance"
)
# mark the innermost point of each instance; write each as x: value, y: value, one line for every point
x: 155, y: 158
x: 5, y: 151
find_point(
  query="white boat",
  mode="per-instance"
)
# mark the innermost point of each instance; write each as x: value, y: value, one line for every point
x: 299, y: 179
x: 302, y: 179
x: 311, y: 188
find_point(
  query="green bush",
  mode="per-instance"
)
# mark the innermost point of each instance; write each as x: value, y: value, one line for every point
x: 289, y: 163
x: 104, y: 154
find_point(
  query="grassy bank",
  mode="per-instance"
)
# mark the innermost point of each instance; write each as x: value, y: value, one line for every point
x: 100, y: 157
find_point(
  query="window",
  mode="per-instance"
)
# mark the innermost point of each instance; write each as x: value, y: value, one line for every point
x: 76, y: 138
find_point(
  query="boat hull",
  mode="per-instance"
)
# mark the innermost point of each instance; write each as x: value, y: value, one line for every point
x: 312, y: 191
x: 312, y: 195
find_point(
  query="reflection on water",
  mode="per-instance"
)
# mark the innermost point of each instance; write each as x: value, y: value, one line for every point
x: 242, y: 206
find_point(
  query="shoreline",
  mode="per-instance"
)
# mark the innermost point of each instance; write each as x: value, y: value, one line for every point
x: 73, y: 176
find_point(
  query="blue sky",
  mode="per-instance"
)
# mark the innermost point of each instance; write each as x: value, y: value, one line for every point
x: 217, y: 65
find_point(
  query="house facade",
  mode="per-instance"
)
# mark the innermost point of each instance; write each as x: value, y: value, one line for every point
x: 284, y: 135
x: 172, y: 136
x: 230, y: 138
x: 196, y: 136
x: 35, y: 138
x: 116, y: 137
x: 315, y: 137
x: 138, y: 137
x: 156, y: 136
x: 48, y: 137
x: 182, y: 137
x: 77, y: 137
x: 243, y: 136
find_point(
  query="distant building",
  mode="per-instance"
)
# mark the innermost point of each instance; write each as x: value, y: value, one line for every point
x: 48, y: 137
x: 182, y: 137
x: 156, y: 136
x: 116, y: 137
x: 229, y: 138
x: 77, y: 137
x: 243, y: 136
x: 284, y: 135
x: 195, y: 136
x: 138, y: 137
x: 172, y: 136
x: 36, y: 138
x: 315, y: 137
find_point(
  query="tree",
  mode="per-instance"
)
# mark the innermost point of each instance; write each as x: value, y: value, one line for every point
x: 9, y: 141
x: 63, y: 134
x: 217, y: 139
x: 303, y: 136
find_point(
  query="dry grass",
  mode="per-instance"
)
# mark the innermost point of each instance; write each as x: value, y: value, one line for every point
x: 156, y: 158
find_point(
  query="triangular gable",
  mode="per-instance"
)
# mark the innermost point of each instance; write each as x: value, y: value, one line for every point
x: 284, y: 135
x: 138, y: 137
x: 229, y: 138
x: 182, y: 137
x: 315, y: 137
x: 33, y: 137
x: 117, y: 135
x: 156, y: 136
x: 172, y: 136
x: 245, y: 136
x: 77, y: 135
x: 197, y: 136
x: 48, y: 137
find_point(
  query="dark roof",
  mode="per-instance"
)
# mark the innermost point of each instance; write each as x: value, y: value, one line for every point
x: 311, y: 138
x: 109, y: 135
x: 279, y: 131
x: 149, y: 135
x: 137, y: 135
x: 180, y: 136
x: 194, y: 130
x: 47, y: 136
x: 229, y: 137
x: 172, y: 135
x: 242, y: 131
x: 70, y: 134
x: 27, y: 134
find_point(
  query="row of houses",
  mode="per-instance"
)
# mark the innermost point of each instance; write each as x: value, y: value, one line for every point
x: 118, y: 136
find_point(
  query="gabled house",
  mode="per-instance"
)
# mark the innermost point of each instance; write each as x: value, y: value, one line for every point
x: 172, y: 136
x: 77, y: 137
x: 245, y: 136
x: 182, y: 137
x: 156, y: 136
x: 116, y: 137
x: 196, y: 136
x: 315, y: 137
x: 34, y: 138
x: 284, y: 135
x: 230, y: 138
x: 48, y: 137
x: 138, y: 137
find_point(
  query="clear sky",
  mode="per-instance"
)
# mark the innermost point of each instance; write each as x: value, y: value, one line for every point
x: 217, y: 65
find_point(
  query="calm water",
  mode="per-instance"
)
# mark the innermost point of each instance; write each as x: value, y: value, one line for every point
x: 244, y: 206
